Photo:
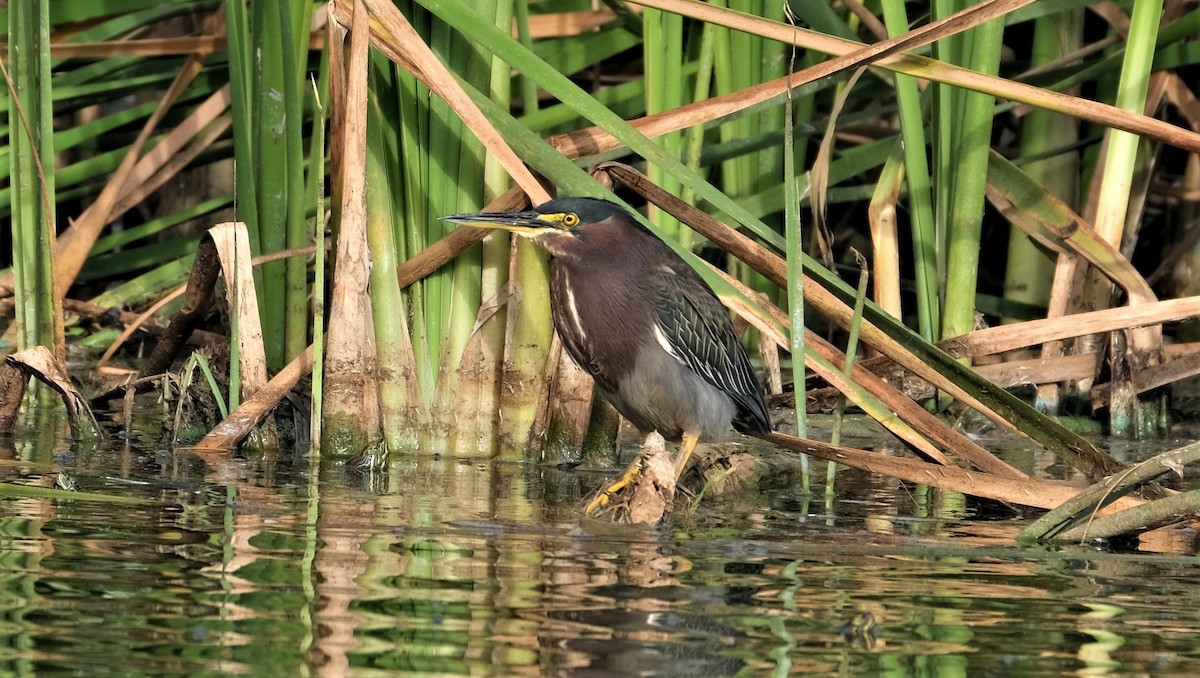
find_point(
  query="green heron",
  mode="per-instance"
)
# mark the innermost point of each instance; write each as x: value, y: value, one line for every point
x: 636, y: 317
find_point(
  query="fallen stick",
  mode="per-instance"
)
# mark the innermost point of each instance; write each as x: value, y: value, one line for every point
x: 1024, y: 491
x: 98, y: 313
x: 1031, y: 332
x: 1174, y: 369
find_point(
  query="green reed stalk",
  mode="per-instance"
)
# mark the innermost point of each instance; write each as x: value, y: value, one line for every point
x: 463, y: 192
x: 663, y: 52
x: 442, y: 145
x: 268, y: 60
x: 772, y: 64
x: 733, y: 173
x: 1126, y: 415
x: 316, y: 174
x: 527, y: 352
x: 970, y: 165
x: 410, y: 396
x: 529, y: 98
x: 295, y: 27
x: 478, y: 423
x: 1119, y: 166
x: 860, y: 301
x: 147, y: 286
x: 795, y: 280
x: 270, y: 120
x: 1030, y: 270
x: 739, y: 64
x: 85, y: 177
x: 920, y: 199
x: 413, y: 120
x: 391, y: 330
x: 435, y: 166
x: 694, y: 139
x: 31, y: 173
x: 943, y: 124
x: 241, y: 68
x: 743, y: 60
x: 124, y: 238
x: 279, y: 81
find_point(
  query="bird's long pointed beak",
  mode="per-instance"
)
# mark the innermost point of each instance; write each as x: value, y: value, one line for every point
x: 524, y: 223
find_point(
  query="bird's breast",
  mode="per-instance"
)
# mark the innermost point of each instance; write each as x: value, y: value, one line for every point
x: 601, y: 318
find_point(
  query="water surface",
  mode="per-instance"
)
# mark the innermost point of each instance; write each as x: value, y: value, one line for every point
x: 450, y: 567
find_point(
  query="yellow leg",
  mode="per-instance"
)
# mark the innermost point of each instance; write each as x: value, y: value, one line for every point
x: 602, y: 499
x: 686, y: 447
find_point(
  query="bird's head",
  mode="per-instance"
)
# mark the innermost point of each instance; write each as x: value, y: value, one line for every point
x: 557, y: 225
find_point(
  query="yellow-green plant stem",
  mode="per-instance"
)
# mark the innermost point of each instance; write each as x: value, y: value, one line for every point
x: 440, y: 140
x: 241, y: 69
x: 743, y: 60
x: 295, y: 27
x: 411, y: 101
x: 147, y: 286
x: 460, y: 184
x: 694, y: 138
x: 526, y: 352
x: 529, y: 97
x: 270, y: 170
x: 268, y: 71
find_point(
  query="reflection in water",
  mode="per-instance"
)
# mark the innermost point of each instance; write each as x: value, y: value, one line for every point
x: 473, y: 568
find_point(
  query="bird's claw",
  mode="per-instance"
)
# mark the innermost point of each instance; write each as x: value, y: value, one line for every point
x: 604, y: 497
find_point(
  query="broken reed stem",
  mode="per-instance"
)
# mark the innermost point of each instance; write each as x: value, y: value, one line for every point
x: 1009, y: 337
x: 40, y: 363
x: 1061, y: 521
x: 200, y: 292
x: 1133, y: 521
x: 242, y: 421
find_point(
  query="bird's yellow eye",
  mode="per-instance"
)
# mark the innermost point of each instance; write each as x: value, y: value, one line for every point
x: 570, y: 219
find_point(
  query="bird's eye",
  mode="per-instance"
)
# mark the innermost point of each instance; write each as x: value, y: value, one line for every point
x: 570, y: 219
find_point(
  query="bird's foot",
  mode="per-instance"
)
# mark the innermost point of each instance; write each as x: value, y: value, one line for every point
x: 643, y: 492
x: 606, y: 496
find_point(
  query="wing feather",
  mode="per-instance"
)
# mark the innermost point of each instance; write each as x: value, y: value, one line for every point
x: 694, y: 327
